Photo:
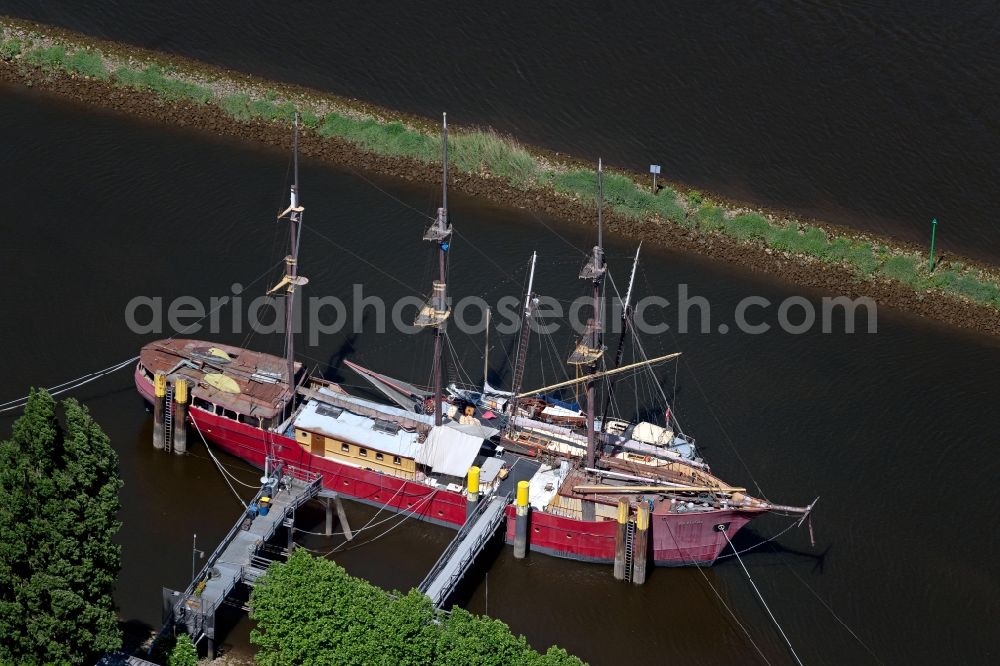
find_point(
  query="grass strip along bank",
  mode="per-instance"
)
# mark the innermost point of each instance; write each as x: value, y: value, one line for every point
x: 486, y: 155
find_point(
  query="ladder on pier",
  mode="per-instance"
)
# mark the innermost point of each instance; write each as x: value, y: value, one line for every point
x: 168, y: 419
x: 470, y: 541
x: 629, y: 556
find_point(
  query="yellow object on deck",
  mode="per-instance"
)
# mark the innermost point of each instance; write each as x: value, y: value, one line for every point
x: 219, y: 353
x: 160, y: 385
x: 181, y: 391
x: 222, y: 382
x: 522, y: 493
x: 473, y: 485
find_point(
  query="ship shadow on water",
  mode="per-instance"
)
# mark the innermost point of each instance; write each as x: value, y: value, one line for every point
x: 749, y: 538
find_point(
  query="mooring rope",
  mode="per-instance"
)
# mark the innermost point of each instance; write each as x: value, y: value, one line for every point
x: 718, y: 596
x: 219, y: 465
x: 764, y: 603
x: 761, y: 543
x: 406, y: 514
x: 11, y: 405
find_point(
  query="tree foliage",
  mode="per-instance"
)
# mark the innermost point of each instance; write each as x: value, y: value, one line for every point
x: 58, y: 518
x: 184, y: 652
x: 310, y: 612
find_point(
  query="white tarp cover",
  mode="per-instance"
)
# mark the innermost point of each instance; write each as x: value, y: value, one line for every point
x: 449, y: 451
x: 652, y: 434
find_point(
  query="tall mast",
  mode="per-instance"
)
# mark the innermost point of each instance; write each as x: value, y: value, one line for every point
x: 292, y: 279
x: 590, y: 348
x: 522, y: 345
x: 486, y: 351
x: 626, y: 327
x: 436, y: 311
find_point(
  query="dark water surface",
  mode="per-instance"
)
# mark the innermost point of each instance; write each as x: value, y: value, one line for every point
x: 873, y: 114
x: 897, y: 431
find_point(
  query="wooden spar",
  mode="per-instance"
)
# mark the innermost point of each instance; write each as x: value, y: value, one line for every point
x: 586, y: 490
x: 598, y: 375
x: 625, y: 324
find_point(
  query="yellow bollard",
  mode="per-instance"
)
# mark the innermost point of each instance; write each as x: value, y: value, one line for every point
x: 160, y: 391
x: 623, y: 511
x: 180, y: 416
x: 473, y: 485
x: 521, y: 520
x: 181, y: 391
x: 522, y: 493
x: 640, y: 547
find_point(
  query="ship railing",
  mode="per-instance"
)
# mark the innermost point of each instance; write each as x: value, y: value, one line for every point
x: 281, y: 468
x: 575, y: 514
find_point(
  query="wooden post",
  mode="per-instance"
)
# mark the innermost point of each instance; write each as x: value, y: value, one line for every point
x: 159, y: 401
x: 180, y: 416
x: 930, y: 264
x: 623, y: 510
x: 342, y: 515
x: 521, y: 521
x: 641, y: 544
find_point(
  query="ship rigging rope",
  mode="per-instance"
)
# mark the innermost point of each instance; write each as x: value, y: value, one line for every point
x: 219, y: 465
x: 827, y: 606
x: 370, y: 520
x: 711, y: 410
x: 761, y: 597
x: 736, y: 553
x: 691, y: 561
x: 407, y: 514
x: 11, y: 405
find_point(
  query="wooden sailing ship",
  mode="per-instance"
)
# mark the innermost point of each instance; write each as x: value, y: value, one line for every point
x: 413, y: 456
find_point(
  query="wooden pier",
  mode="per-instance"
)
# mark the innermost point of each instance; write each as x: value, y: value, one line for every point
x: 242, y: 556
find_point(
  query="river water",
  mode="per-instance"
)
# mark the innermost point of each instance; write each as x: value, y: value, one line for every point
x: 894, y: 430
x: 871, y: 114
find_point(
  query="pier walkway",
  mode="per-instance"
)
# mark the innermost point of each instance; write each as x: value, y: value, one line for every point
x: 242, y: 556
x: 455, y: 561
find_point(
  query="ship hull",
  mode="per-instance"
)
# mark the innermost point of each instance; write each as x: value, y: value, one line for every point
x: 676, y: 539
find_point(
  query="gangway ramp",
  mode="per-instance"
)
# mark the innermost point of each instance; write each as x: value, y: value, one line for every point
x: 458, y: 557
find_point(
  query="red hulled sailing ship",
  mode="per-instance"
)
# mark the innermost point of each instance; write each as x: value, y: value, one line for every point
x: 414, y: 456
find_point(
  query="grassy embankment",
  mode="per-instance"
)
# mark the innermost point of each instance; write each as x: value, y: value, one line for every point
x: 486, y: 153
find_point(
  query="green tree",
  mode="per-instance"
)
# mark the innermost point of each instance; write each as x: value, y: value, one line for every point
x: 309, y: 611
x: 58, y: 559
x: 184, y: 652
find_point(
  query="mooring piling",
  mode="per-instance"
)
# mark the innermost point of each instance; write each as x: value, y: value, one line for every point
x: 472, y: 491
x: 521, y: 520
x: 159, y: 404
x: 620, y: 545
x: 180, y: 422
x: 641, y: 544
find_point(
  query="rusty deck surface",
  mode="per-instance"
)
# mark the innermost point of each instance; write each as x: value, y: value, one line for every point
x: 263, y: 389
